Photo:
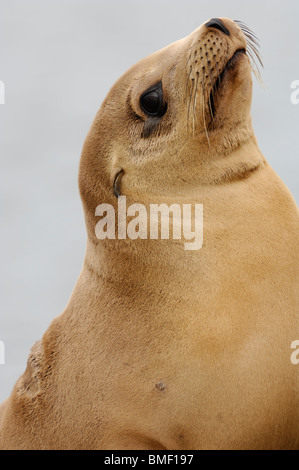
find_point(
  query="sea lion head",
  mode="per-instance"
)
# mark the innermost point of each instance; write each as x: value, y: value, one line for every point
x: 175, y: 121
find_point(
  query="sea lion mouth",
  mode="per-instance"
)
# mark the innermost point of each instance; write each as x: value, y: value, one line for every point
x: 231, y: 64
x: 206, y: 69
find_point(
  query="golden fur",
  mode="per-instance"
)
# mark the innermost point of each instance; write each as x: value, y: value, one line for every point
x: 160, y: 348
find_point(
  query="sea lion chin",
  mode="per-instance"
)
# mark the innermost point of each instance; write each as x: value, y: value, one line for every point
x: 160, y: 348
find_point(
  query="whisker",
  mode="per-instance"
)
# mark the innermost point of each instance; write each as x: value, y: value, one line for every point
x: 203, y: 107
x: 253, y: 45
x: 256, y: 52
x: 212, y: 88
x: 255, y: 68
x: 188, y: 79
x: 189, y: 107
x: 195, y: 100
x: 245, y: 27
x: 252, y: 39
x: 249, y: 34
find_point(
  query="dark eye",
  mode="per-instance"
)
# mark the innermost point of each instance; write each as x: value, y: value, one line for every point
x: 152, y: 101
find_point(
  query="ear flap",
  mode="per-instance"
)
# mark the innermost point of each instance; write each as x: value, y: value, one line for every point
x: 117, y: 183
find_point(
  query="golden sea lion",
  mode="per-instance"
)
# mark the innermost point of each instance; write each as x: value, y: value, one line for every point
x: 159, y: 347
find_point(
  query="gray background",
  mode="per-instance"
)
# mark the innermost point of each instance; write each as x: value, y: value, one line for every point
x: 58, y: 59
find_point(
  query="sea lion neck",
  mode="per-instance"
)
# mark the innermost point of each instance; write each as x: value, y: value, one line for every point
x: 123, y: 263
x: 149, y: 265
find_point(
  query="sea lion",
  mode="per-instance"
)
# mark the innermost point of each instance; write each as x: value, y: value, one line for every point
x: 161, y: 348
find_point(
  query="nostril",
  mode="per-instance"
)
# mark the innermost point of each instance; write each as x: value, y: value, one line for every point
x: 217, y: 24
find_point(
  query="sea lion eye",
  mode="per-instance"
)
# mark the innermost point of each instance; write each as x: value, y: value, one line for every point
x: 152, y: 102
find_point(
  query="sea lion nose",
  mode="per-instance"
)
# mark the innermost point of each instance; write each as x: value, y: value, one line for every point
x: 217, y: 24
